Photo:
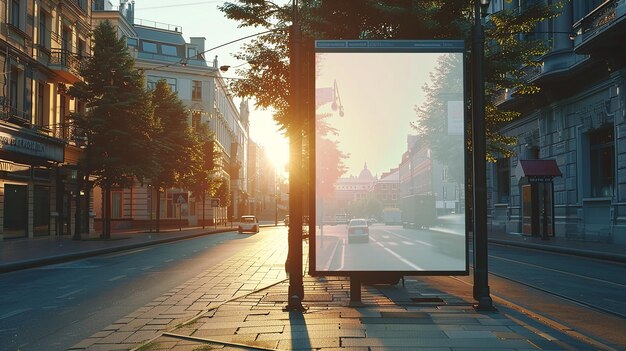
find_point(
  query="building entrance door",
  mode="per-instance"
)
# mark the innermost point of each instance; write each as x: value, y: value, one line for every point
x: 15, y: 211
x: 537, y: 209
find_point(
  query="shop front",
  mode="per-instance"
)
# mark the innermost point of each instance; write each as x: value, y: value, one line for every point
x: 27, y: 182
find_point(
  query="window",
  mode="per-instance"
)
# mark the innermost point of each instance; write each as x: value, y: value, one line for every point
x: 116, y: 203
x: 196, y: 90
x: 191, y: 53
x: 66, y: 39
x: 149, y: 47
x: 196, y: 119
x: 15, y: 13
x: 152, y: 80
x: 44, y: 32
x: 503, y: 179
x: 131, y: 42
x: 169, y: 50
x: 602, y: 162
x: 82, y: 48
x: 13, y: 87
x: 39, y: 118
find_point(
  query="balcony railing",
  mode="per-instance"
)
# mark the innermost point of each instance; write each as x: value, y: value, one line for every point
x: 598, y: 18
x: 12, y: 115
x: 67, y: 60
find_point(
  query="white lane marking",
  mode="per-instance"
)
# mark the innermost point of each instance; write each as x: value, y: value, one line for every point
x: 402, y: 259
x: 170, y: 260
x: 408, y: 243
x: 146, y: 268
x: 392, y: 243
x: 13, y: 313
x: 69, y: 294
x: 406, y: 238
x: 128, y: 252
x: 117, y: 278
x: 343, y: 254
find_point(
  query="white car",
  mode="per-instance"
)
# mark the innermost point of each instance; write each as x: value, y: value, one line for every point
x: 248, y: 224
x: 358, y: 231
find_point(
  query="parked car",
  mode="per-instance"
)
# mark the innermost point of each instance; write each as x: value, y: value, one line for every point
x: 358, y: 231
x: 248, y: 224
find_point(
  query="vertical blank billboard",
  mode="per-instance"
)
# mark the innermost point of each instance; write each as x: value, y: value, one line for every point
x: 390, y: 157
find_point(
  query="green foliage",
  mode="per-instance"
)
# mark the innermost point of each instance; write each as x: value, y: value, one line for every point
x: 206, y: 178
x: 267, y: 77
x: 118, y: 121
x: 174, y: 140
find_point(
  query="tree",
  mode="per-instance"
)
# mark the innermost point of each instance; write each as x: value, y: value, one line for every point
x: 267, y: 76
x: 205, y: 178
x: 118, y: 122
x: 174, y: 140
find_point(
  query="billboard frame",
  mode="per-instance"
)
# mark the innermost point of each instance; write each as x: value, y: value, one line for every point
x: 384, y: 46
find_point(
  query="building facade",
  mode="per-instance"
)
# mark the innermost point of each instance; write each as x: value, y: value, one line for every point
x: 577, y: 122
x: 160, y: 50
x: 43, y: 44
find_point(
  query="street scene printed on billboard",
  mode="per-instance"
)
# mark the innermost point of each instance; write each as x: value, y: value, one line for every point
x: 390, y: 157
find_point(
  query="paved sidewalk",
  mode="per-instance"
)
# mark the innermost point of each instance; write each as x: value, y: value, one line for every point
x: 239, y: 306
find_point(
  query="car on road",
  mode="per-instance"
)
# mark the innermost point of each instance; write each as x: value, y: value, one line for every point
x: 248, y: 224
x: 358, y: 231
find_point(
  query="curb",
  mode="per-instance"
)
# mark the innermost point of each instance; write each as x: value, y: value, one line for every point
x: 564, y: 250
x: 43, y: 261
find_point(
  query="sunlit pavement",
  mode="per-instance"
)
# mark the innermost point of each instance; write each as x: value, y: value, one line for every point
x: 239, y: 305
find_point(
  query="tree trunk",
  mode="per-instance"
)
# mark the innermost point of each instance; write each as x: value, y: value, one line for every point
x: 106, y: 220
x: 203, y: 208
x: 79, y: 214
x: 158, y: 208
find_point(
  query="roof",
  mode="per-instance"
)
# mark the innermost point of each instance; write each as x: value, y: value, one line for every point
x: 537, y: 168
x: 160, y: 36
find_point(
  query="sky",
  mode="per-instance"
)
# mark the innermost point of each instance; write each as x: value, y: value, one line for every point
x: 203, y: 19
x: 379, y: 93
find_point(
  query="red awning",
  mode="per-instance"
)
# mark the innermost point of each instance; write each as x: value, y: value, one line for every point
x: 537, y: 168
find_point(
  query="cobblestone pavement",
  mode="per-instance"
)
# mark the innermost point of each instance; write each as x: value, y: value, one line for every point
x: 248, y: 271
x: 238, y: 305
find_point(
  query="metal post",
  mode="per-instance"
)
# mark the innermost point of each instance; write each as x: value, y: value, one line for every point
x: 544, y: 230
x: 355, y: 289
x: 481, y: 272
x: 294, y: 256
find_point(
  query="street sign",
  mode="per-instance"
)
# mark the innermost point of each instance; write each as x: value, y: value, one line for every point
x: 215, y: 202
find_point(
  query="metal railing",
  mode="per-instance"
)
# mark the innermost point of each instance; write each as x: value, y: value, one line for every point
x: 602, y: 16
x: 158, y: 25
x: 66, y: 58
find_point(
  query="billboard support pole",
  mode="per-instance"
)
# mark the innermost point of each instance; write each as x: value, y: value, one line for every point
x: 294, y: 255
x: 479, y: 183
x: 355, y: 290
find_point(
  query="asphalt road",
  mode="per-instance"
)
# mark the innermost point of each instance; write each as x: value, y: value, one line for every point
x: 390, y: 248
x: 53, y: 307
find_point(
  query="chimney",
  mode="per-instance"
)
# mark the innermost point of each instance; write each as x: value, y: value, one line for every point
x: 198, y: 42
x: 215, y: 61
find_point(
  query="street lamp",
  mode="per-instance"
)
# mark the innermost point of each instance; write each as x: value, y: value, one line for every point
x: 479, y: 182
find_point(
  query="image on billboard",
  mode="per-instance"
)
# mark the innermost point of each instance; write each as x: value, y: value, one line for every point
x: 390, y: 152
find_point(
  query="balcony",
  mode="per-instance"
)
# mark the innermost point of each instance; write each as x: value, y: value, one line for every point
x: 601, y: 32
x: 12, y: 115
x: 66, y: 64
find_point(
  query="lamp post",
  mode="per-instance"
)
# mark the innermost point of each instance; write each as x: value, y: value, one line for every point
x: 479, y: 182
